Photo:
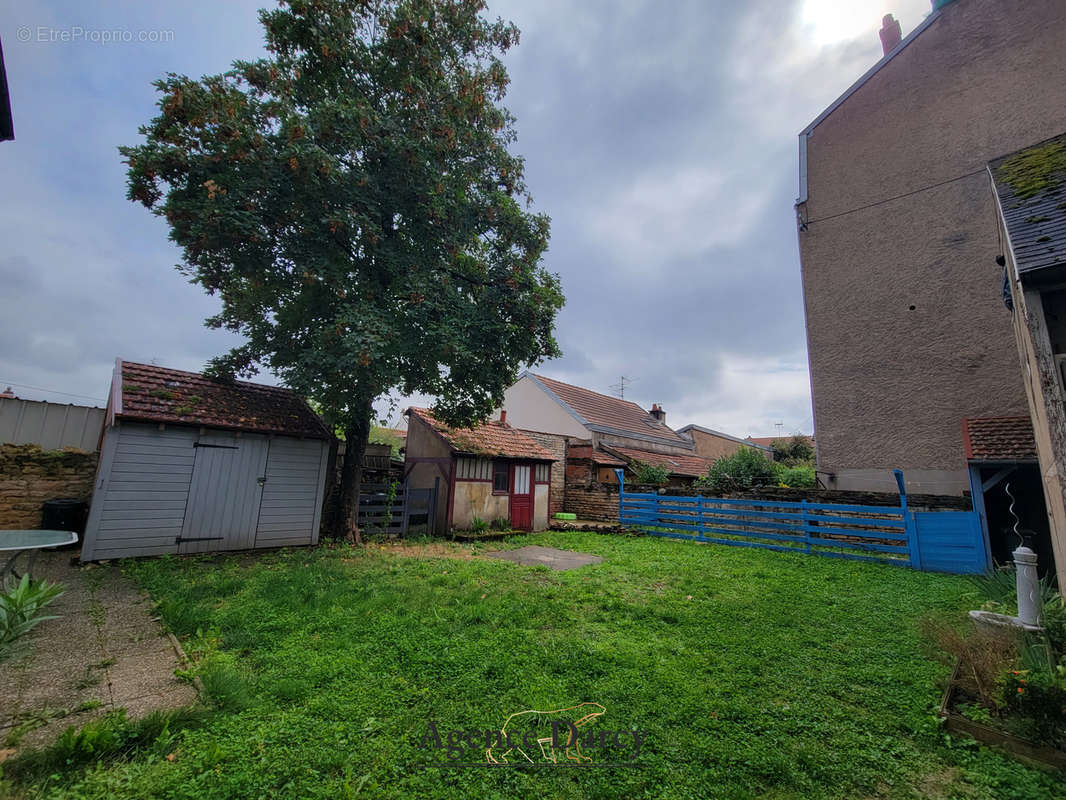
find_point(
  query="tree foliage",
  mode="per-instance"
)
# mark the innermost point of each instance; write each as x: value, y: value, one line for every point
x: 795, y: 451
x: 352, y: 200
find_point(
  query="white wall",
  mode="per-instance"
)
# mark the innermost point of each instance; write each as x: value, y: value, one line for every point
x: 531, y: 408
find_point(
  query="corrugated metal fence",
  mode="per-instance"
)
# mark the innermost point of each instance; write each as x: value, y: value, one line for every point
x: 942, y: 541
x: 51, y: 425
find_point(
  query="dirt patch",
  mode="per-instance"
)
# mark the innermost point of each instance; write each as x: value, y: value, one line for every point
x: 105, y: 651
x: 427, y: 550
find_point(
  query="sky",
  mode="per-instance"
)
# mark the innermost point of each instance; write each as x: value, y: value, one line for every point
x: 660, y: 137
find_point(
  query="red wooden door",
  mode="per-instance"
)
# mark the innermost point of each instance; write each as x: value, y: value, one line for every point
x: 522, y: 497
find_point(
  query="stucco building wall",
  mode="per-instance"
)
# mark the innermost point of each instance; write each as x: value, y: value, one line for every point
x: 715, y: 447
x: 907, y: 332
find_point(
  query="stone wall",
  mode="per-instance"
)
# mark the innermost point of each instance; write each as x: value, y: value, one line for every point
x: 30, y: 475
x: 555, y: 444
x: 593, y: 502
x: 600, y: 501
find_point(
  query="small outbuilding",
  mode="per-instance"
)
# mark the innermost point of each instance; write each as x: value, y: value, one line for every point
x: 191, y: 464
x: 491, y: 472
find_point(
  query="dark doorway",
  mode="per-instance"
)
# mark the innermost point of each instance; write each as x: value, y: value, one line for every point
x: 1023, y: 481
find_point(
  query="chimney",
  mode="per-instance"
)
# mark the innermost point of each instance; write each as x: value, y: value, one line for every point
x: 658, y: 413
x: 503, y: 416
x: 891, y: 35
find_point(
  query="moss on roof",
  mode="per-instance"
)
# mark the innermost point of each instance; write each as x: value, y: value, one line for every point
x: 1035, y: 170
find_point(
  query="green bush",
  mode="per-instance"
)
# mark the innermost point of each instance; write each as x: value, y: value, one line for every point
x: 798, y: 477
x: 745, y: 469
x: 21, y: 608
x: 478, y: 525
x: 501, y: 524
x: 650, y: 474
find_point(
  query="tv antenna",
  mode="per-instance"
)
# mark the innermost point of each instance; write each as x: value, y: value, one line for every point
x: 620, y: 387
x: 780, y: 428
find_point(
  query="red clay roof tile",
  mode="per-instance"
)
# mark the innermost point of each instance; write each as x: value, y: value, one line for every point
x: 689, y: 466
x: 999, y: 439
x: 611, y: 412
x: 158, y: 394
x: 493, y: 438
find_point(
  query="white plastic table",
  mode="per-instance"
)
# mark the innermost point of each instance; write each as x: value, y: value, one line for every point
x: 19, y: 543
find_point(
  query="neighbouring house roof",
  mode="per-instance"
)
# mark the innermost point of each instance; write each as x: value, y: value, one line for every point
x: 493, y: 439
x: 688, y: 466
x: 711, y: 432
x: 157, y: 394
x: 596, y: 456
x: 606, y: 414
x: 999, y: 439
x: 1029, y: 186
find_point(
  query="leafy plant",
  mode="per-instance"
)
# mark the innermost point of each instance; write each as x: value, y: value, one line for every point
x: 109, y: 737
x: 745, y: 469
x: 21, y: 608
x: 796, y: 451
x: 478, y: 525
x: 501, y: 524
x: 1038, y: 700
x: 651, y: 474
x: 798, y: 477
x: 353, y: 201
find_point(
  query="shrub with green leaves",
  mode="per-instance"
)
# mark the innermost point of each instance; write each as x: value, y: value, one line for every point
x: 745, y: 469
x: 21, y: 608
x: 798, y: 477
x: 650, y: 474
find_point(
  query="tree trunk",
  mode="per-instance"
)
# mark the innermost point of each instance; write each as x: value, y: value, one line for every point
x: 355, y: 438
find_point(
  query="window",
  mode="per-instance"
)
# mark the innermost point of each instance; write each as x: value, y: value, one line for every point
x: 474, y: 469
x: 500, y: 474
x: 543, y: 473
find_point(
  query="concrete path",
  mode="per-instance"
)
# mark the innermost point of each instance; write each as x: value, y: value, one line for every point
x: 534, y: 555
x: 106, y: 651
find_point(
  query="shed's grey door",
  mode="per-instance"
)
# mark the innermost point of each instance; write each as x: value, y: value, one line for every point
x: 224, y: 496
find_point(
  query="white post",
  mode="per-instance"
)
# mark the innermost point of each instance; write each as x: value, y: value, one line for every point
x: 1029, y: 610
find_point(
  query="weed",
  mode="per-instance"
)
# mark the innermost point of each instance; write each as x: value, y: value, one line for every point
x: 21, y: 608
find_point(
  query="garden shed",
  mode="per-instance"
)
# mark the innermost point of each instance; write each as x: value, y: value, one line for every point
x: 491, y: 472
x: 191, y: 464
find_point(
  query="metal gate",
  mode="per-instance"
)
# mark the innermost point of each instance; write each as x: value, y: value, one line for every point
x: 225, y: 492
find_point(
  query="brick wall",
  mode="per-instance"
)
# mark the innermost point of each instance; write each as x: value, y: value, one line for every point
x: 30, y: 475
x: 555, y: 444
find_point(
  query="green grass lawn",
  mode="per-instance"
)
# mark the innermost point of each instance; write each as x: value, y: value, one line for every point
x: 755, y: 674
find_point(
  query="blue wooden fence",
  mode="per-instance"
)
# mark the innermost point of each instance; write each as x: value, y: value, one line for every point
x: 944, y: 541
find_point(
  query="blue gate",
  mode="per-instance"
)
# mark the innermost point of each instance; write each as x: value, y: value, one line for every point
x: 940, y: 541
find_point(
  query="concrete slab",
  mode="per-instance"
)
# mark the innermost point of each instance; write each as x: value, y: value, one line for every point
x: 105, y: 651
x: 534, y: 555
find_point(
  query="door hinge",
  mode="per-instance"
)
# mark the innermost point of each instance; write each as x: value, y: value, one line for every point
x: 180, y: 539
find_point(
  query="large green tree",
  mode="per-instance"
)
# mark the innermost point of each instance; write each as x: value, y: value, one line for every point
x: 353, y: 202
